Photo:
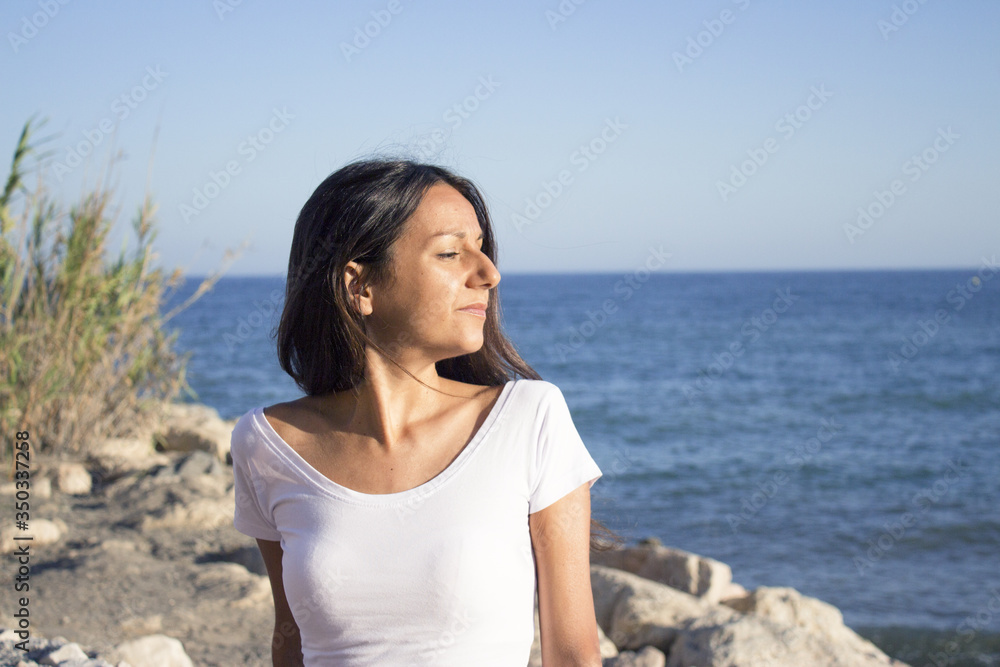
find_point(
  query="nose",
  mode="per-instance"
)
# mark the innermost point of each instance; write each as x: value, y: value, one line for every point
x: 487, y: 272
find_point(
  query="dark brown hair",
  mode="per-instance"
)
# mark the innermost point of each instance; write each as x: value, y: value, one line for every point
x: 357, y: 214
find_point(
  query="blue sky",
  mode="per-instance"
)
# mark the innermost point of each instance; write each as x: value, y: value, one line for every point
x: 733, y: 134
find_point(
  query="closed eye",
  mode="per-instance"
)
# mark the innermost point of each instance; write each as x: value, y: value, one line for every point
x: 448, y: 254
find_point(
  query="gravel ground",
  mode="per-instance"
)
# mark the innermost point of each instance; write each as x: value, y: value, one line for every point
x: 153, y: 552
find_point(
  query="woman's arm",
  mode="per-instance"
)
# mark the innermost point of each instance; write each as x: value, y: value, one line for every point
x: 560, y: 537
x: 286, y: 645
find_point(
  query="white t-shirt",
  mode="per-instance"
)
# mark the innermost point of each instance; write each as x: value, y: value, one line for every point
x: 442, y: 574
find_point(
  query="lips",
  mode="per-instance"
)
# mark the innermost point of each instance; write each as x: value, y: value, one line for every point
x: 475, y: 309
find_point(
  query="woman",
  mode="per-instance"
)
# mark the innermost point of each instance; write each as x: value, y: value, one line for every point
x: 406, y: 504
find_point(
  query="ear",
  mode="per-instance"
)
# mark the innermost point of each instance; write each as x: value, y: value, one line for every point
x: 360, y: 294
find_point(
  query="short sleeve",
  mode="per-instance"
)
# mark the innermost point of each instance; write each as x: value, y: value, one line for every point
x: 561, y: 462
x: 248, y: 517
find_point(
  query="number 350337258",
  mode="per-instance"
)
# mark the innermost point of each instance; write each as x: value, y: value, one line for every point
x: 21, y: 461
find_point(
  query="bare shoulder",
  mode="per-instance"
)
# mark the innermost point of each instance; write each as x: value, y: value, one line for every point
x: 301, y: 415
x: 286, y: 412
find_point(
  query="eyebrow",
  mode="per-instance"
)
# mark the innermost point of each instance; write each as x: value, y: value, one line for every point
x: 459, y: 234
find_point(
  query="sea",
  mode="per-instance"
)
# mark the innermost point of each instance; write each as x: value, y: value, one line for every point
x: 835, y: 432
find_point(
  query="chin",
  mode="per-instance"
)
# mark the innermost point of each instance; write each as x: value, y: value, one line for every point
x: 473, y: 345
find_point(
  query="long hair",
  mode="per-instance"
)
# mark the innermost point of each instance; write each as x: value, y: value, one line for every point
x: 357, y: 214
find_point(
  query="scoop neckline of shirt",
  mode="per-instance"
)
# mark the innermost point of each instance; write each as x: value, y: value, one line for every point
x: 327, y: 485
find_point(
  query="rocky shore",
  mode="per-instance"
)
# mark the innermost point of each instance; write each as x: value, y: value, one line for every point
x: 135, y: 559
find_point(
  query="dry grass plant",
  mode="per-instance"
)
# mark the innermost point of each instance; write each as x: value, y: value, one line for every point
x: 83, y: 349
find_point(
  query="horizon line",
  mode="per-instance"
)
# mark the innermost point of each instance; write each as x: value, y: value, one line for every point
x: 674, y: 272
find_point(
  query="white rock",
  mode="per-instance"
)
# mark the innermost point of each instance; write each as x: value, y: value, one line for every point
x: 72, y: 478
x: 153, y: 651
x: 732, y: 592
x: 786, y: 606
x: 191, y: 427
x: 42, y: 531
x: 118, y: 545
x: 753, y: 640
x: 200, y: 513
x: 636, y: 612
x: 142, y: 625
x: 647, y: 657
x: 705, y: 577
x: 608, y: 648
x: 41, y: 488
x: 691, y: 632
x: 233, y: 584
x: 65, y: 653
x: 118, y: 456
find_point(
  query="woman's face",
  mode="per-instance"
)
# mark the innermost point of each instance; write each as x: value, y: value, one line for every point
x: 440, y: 271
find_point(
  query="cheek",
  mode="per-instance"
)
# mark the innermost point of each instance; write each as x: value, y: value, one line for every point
x: 436, y: 293
x: 427, y: 305
x: 424, y: 296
